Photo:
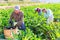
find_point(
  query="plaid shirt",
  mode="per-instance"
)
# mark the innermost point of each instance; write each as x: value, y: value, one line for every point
x: 17, y: 18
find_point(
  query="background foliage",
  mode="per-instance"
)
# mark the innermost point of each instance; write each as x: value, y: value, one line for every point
x: 36, y: 27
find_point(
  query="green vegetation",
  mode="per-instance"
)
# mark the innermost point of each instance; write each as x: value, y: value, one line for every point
x: 36, y: 27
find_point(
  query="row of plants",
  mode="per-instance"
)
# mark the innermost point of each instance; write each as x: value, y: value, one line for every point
x: 36, y: 27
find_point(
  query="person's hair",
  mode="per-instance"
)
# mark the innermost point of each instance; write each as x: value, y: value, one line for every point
x: 43, y: 9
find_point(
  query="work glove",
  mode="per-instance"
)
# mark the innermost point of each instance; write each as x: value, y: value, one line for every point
x: 15, y: 23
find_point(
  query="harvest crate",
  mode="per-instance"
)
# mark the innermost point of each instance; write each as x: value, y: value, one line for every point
x: 8, y: 33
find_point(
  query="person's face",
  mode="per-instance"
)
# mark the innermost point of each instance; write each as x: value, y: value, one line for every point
x: 44, y: 11
x: 16, y: 11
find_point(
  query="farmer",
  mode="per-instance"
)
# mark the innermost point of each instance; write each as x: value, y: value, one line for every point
x: 48, y: 14
x: 16, y: 18
x: 38, y: 10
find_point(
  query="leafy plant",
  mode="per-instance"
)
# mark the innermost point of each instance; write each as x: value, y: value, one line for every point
x: 37, y: 29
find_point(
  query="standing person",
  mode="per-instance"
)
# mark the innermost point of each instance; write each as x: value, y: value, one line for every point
x: 17, y: 16
x: 48, y: 14
x: 38, y: 10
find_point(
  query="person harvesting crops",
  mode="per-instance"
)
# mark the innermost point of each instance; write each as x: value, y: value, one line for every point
x: 16, y: 18
x: 38, y: 10
x: 48, y: 14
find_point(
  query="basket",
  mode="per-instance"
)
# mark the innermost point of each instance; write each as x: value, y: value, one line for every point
x: 8, y: 33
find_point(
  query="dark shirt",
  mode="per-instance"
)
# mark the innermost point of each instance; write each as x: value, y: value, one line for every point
x: 38, y: 10
x: 17, y: 18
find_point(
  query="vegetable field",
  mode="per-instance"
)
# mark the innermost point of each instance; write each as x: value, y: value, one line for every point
x: 36, y: 27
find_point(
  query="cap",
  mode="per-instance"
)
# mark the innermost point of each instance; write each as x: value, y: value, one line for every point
x: 17, y: 7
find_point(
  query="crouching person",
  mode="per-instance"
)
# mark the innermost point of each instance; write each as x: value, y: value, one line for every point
x: 48, y: 14
x: 38, y: 10
x: 17, y: 18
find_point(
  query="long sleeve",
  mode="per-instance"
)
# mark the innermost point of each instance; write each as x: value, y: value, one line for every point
x: 10, y: 21
x: 21, y: 17
x: 11, y: 17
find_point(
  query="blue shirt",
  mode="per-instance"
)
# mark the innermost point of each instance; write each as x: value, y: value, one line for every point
x: 48, y: 14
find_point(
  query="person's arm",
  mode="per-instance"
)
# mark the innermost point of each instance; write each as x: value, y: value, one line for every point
x: 11, y: 17
x: 10, y: 20
x: 21, y: 17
